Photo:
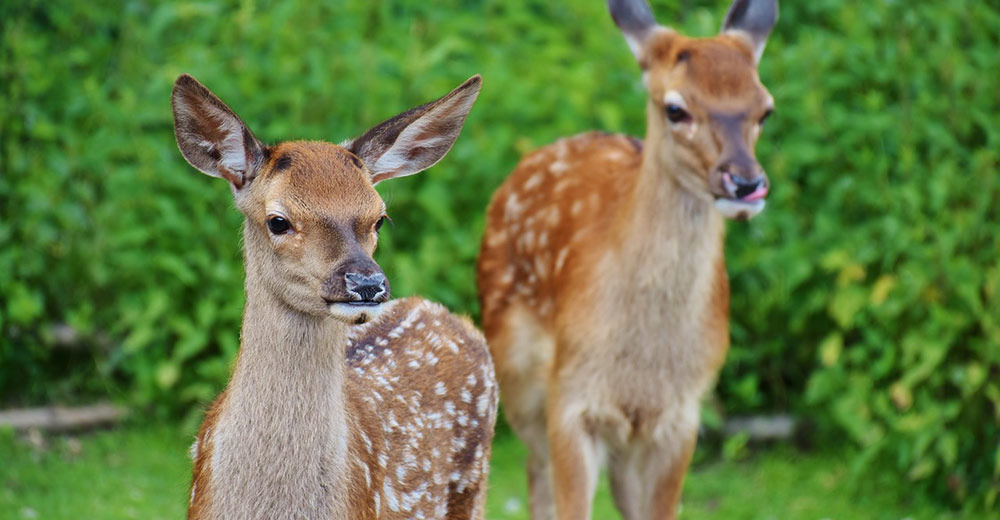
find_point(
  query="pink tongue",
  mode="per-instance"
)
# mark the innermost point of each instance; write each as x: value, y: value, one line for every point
x: 758, y: 194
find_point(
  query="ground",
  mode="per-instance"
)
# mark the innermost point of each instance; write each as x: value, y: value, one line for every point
x: 143, y: 471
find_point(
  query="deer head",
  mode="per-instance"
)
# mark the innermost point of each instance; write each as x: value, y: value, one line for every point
x: 312, y: 212
x: 707, y: 104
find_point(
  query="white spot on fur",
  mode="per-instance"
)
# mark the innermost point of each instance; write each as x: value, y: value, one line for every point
x: 561, y: 258
x: 513, y: 207
x: 553, y: 218
x: 527, y: 239
x: 564, y: 184
x: 390, y: 496
x: 533, y: 181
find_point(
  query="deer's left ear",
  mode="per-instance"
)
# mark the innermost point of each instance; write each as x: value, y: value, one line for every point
x: 415, y: 140
x: 752, y: 20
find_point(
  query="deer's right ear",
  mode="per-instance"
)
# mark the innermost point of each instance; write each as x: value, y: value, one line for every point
x: 211, y: 137
x: 635, y: 19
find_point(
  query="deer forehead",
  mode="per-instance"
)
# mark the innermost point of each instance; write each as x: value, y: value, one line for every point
x: 319, y: 180
x: 718, y: 72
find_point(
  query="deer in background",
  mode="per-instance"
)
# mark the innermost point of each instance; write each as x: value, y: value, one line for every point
x: 342, y: 403
x: 602, y: 281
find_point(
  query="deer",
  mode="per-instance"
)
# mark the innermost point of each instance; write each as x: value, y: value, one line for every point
x: 602, y: 280
x: 342, y: 403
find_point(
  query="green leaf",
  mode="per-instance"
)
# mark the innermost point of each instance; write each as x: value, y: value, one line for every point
x: 845, y: 305
x: 830, y: 349
x: 24, y: 306
x: 167, y: 375
x: 736, y: 447
x: 922, y: 469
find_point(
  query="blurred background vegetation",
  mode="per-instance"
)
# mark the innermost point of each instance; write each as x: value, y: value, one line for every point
x: 866, y: 299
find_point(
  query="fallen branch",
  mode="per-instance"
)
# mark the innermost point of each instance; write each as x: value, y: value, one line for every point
x: 761, y: 427
x: 60, y: 418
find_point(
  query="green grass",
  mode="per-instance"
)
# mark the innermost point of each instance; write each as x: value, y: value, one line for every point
x: 142, y: 472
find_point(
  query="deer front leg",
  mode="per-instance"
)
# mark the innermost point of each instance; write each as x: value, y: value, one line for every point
x: 531, y: 429
x: 663, y: 469
x: 540, y: 486
x: 574, y: 462
x: 626, y: 487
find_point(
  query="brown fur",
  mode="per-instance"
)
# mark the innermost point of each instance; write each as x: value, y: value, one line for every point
x: 603, y: 285
x: 333, y: 410
x: 383, y: 389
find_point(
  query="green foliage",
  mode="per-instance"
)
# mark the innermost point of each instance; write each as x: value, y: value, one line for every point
x: 872, y: 280
x: 865, y: 298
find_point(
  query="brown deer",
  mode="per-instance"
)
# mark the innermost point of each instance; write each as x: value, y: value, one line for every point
x: 342, y: 403
x: 602, y: 281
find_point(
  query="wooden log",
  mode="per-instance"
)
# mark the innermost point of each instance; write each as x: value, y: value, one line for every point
x: 60, y: 418
x: 762, y: 427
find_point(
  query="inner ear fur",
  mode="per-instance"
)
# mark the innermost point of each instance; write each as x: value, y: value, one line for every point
x: 211, y: 137
x: 418, y: 138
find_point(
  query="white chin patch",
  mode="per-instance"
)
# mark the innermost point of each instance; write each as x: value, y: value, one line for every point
x: 355, y: 314
x: 736, y: 209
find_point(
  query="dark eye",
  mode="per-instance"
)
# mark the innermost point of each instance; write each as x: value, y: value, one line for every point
x: 278, y: 225
x: 765, y: 116
x: 381, y: 220
x: 677, y: 114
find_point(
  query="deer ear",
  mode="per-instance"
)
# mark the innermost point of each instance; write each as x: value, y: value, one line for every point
x: 752, y: 20
x: 418, y: 138
x: 635, y: 19
x: 211, y: 137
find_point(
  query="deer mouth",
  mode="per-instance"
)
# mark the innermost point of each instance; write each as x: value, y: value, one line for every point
x: 354, y: 312
x: 739, y: 209
x: 742, y: 202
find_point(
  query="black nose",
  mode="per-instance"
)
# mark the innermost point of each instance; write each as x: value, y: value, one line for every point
x: 745, y: 186
x: 367, y: 288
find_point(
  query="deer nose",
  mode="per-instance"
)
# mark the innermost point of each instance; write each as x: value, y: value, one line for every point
x: 367, y: 288
x: 745, y: 188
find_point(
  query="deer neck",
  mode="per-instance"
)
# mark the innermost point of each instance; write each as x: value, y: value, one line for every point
x: 671, y: 233
x: 283, y: 434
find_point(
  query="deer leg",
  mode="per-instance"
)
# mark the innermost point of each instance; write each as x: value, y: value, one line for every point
x: 662, y: 471
x: 540, y: 484
x: 626, y: 489
x: 574, y: 467
x: 532, y: 433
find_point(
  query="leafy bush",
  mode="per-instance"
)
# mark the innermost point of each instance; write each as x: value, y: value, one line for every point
x: 873, y: 280
x: 864, y: 298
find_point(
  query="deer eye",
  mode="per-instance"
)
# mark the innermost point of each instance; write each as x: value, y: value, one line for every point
x: 381, y: 220
x: 278, y: 225
x: 676, y: 114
